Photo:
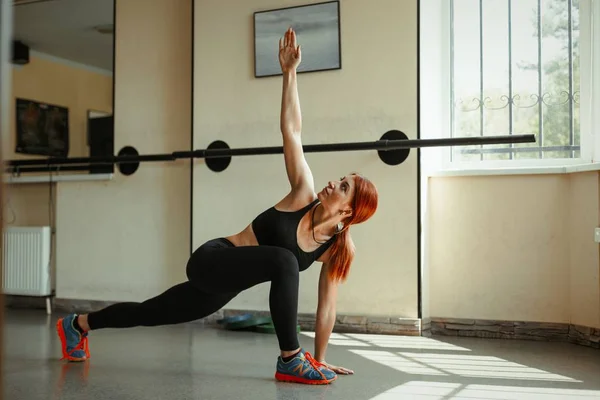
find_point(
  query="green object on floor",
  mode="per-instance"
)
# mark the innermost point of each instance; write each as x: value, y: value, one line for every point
x: 234, y: 318
x: 247, y: 322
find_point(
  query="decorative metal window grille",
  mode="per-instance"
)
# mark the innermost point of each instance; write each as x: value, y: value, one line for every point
x: 515, y: 70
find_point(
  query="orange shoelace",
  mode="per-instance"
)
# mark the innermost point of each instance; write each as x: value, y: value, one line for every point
x: 315, y: 364
x: 82, y: 345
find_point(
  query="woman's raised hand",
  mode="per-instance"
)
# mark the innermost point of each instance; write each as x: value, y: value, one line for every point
x: 290, y: 54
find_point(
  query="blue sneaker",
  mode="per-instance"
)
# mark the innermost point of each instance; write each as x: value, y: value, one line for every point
x: 74, y: 344
x: 303, y: 368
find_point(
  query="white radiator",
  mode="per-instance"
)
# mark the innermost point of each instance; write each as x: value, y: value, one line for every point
x: 26, y: 261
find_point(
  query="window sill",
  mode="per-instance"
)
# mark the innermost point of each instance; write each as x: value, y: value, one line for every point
x: 537, y: 170
x: 57, y: 178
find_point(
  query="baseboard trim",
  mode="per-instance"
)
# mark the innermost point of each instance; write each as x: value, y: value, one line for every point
x: 344, y: 323
x: 522, y: 330
x: 429, y: 327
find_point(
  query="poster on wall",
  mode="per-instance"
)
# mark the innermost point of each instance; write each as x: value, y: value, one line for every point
x: 317, y: 28
x: 42, y: 129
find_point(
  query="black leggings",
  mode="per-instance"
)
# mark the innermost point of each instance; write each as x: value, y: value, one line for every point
x: 217, y: 272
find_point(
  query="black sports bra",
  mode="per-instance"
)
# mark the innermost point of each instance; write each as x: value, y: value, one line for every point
x: 279, y: 228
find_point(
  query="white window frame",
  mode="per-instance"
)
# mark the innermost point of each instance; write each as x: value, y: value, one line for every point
x: 436, y: 91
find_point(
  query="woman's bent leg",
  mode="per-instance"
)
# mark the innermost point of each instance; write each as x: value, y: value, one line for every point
x: 234, y: 269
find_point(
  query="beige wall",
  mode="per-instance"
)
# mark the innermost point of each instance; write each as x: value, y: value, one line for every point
x: 515, y: 248
x: 584, y: 262
x: 374, y: 92
x: 128, y: 239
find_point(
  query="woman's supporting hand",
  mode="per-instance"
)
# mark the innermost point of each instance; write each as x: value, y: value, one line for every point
x: 290, y: 54
x: 337, y: 370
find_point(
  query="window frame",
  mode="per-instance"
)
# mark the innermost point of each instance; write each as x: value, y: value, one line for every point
x: 439, y: 160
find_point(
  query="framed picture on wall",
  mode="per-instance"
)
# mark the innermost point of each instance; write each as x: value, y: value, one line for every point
x: 317, y: 28
x: 42, y: 129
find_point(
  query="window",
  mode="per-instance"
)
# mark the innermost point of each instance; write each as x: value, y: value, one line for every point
x: 516, y: 67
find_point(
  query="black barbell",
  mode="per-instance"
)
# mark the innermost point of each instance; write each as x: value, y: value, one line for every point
x: 393, y: 148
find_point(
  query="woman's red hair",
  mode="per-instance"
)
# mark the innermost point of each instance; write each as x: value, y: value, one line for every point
x: 364, y: 205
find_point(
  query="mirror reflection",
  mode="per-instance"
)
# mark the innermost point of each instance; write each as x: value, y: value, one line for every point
x: 62, y: 90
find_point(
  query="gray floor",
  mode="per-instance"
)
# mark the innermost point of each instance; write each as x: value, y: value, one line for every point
x: 194, y: 362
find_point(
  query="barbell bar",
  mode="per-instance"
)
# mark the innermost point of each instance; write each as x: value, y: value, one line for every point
x: 393, y: 148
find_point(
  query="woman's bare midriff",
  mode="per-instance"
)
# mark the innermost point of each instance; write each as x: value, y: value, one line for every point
x: 244, y: 238
x: 304, y: 236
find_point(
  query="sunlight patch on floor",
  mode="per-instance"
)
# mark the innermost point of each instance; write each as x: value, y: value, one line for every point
x: 421, y: 390
x: 389, y: 341
x: 459, y: 365
x: 407, y: 342
x: 483, y: 367
x: 451, y: 361
x: 398, y: 363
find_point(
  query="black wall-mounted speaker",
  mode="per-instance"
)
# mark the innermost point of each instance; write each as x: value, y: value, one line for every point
x: 20, y: 53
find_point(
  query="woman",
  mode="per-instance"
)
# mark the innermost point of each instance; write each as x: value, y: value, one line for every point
x: 279, y: 243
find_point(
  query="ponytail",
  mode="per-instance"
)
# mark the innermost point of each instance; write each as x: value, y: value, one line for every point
x: 342, y: 254
x: 343, y: 250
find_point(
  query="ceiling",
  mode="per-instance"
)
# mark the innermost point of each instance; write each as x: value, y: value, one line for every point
x: 67, y: 29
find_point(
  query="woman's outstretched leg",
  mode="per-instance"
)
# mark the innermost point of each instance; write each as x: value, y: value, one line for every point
x: 181, y: 303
